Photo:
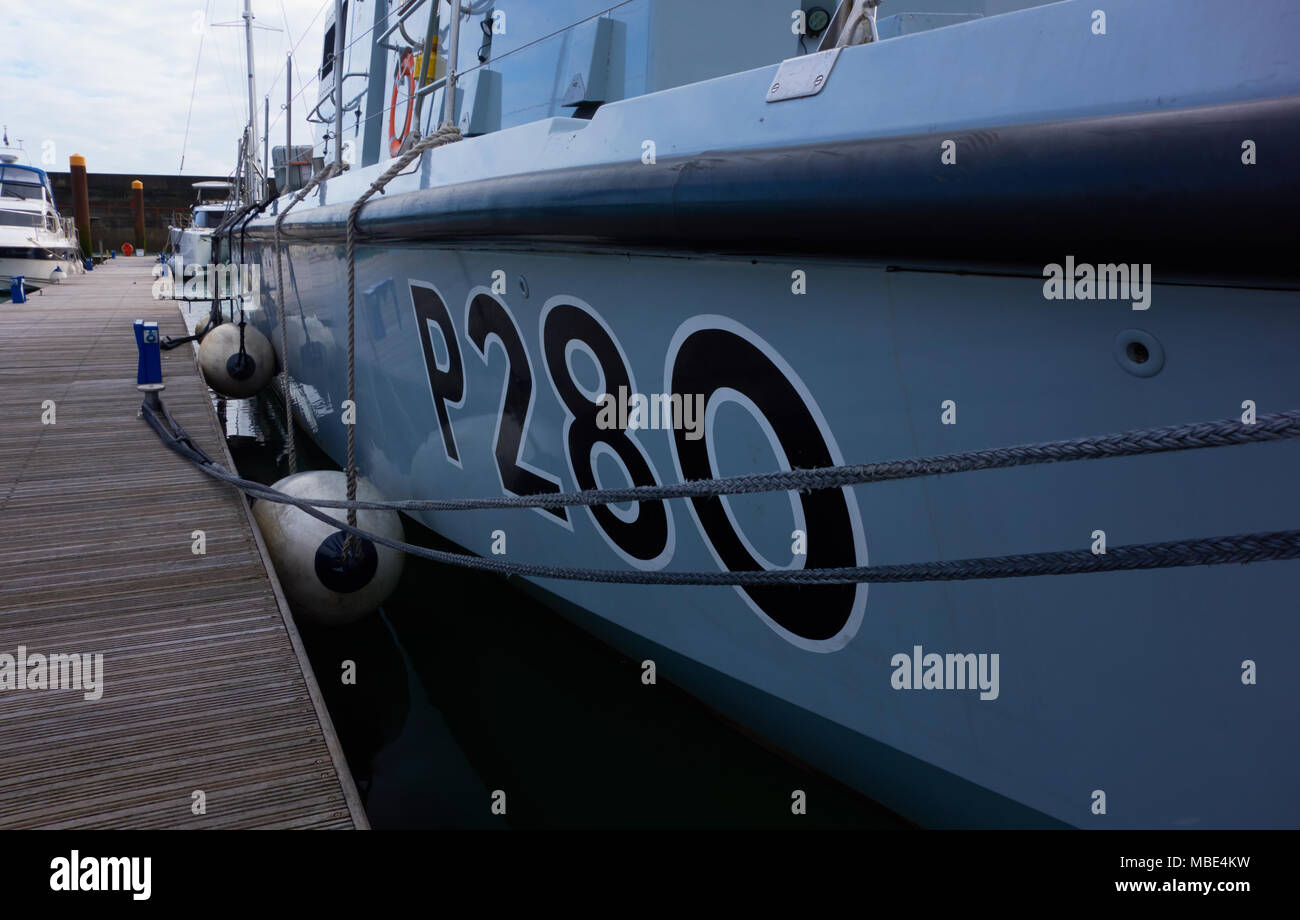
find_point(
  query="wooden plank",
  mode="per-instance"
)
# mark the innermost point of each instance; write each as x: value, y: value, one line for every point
x: 206, y: 685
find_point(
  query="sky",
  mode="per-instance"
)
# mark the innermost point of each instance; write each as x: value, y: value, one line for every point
x: 112, y: 79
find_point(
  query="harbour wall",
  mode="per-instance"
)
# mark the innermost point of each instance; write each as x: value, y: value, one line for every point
x: 166, y: 200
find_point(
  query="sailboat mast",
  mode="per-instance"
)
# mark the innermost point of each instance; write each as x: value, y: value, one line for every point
x: 251, y: 148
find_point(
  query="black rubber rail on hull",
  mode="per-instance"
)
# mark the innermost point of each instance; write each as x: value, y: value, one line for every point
x: 1166, y: 187
x: 1241, y: 548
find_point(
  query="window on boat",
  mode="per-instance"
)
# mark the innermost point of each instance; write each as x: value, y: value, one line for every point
x: 201, y: 220
x: 27, y: 190
x: 19, y: 219
x: 26, y: 182
x: 327, y: 58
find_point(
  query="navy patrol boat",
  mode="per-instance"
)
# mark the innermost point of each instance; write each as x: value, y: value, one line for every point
x: 822, y: 234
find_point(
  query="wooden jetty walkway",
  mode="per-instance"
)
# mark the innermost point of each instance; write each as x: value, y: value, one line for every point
x: 206, y: 687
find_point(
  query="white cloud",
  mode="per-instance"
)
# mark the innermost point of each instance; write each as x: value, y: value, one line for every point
x: 112, y: 80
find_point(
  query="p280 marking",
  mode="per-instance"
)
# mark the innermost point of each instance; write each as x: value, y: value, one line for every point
x: 709, y: 355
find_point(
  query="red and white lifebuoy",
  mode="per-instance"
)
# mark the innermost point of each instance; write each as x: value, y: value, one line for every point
x: 405, y: 68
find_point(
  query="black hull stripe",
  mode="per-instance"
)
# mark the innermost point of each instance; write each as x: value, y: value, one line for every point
x: 1168, y: 188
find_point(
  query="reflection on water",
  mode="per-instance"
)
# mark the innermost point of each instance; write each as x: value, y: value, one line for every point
x: 466, y: 685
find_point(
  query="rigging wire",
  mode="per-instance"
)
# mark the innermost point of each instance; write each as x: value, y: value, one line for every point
x: 483, y: 64
x: 230, y: 92
x: 469, y: 10
x: 540, y: 39
x: 346, y: 48
x: 304, y: 87
x: 198, y: 58
x: 320, y: 146
x: 294, y: 47
x: 297, y: 73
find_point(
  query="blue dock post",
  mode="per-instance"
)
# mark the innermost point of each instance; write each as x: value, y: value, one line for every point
x: 17, y: 293
x: 148, y: 375
x: 90, y: 264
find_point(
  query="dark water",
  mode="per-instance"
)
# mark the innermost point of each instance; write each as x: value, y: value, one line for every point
x: 476, y: 687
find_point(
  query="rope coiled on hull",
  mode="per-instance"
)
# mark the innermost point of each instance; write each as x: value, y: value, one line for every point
x: 1241, y: 548
x: 447, y: 134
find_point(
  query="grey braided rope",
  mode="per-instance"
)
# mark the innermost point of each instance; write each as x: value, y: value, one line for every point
x: 314, y: 181
x: 1241, y: 548
x: 1225, y: 432
x: 447, y: 134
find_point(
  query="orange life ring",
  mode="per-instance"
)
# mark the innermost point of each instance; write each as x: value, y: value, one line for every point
x: 127, y: 249
x: 405, y: 68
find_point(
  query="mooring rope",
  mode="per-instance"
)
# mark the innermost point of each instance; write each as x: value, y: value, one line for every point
x: 243, y: 229
x: 317, y: 178
x: 447, y: 134
x: 1225, y: 432
x: 1241, y: 548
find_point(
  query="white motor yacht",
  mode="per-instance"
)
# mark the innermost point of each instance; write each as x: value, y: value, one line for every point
x: 35, y: 241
